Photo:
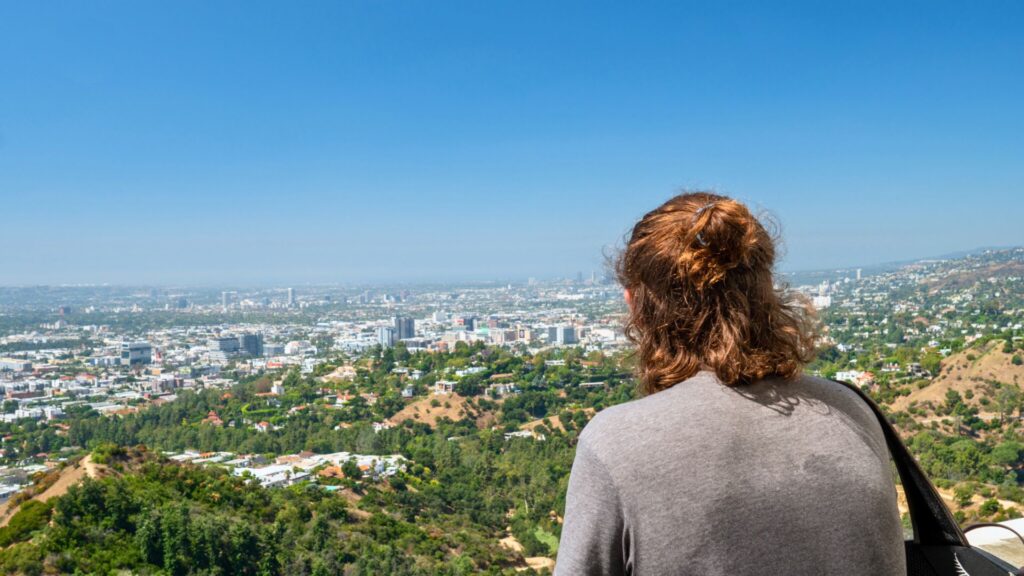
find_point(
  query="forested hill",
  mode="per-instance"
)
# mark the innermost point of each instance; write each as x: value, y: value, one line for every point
x: 472, y: 499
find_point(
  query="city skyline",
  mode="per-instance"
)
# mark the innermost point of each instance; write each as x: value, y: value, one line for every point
x: 596, y: 274
x: 219, y: 144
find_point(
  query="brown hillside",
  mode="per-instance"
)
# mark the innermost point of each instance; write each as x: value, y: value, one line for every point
x: 68, y: 476
x: 959, y: 372
x: 452, y: 406
x: 555, y: 419
x: 958, y: 279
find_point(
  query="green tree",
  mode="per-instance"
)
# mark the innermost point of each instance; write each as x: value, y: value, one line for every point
x: 351, y: 469
x: 989, y: 507
x: 1007, y: 453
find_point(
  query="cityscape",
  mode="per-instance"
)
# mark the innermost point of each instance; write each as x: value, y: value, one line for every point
x: 340, y: 288
x: 333, y: 388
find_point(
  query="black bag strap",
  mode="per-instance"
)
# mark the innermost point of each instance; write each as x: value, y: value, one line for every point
x: 932, y: 521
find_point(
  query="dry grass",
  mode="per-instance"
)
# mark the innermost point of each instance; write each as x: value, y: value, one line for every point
x: 962, y: 373
x: 452, y: 406
x: 67, y: 477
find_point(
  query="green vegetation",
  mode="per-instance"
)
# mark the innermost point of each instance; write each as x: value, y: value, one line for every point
x: 941, y: 352
x: 30, y: 517
x: 162, y: 518
x: 466, y: 488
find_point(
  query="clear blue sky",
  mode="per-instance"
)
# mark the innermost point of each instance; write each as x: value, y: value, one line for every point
x: 290, y: 142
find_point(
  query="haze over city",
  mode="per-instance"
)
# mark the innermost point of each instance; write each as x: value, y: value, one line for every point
x: 198, y: 143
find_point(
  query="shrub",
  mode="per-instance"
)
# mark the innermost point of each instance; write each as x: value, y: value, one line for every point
x: 989, y: 507
x: 1007, y: 453
x: 32, y: 516
x: 106, y: 452
x: 962, y: 495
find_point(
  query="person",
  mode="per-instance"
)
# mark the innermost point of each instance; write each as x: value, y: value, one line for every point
x: 731, y: 461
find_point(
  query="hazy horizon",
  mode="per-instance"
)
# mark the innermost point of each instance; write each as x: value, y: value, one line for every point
x: 867, y: 267
x: 200, y: 144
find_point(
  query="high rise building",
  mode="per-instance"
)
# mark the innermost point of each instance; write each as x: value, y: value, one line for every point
x: 291, y: 297
x: 564, y: 335
x: 251, y: 344
x: 223, y: 344
x: 386, y: 336
x: 404, y: 328
x: 858, y: 273
x: 136, y: 353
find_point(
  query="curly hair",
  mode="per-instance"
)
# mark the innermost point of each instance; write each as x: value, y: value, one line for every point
x: 702, y: 295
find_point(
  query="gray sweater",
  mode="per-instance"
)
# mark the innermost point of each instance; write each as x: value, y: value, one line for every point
x: 781, y: 477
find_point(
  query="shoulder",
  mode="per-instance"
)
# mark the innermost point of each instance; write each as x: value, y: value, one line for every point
x: 638, y: 419
x: 839, y: 396
x: 845, y: 402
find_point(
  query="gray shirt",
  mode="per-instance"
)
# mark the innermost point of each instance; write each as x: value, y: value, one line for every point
x: 779, y: 477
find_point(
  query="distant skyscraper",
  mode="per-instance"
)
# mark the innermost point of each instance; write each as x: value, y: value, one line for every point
x: 136, y: 353
x: 223, y: 344
x: 858, y: 273
x: 225, y: 299
x: 251, y: 344
x: 565, y: 335
x: 291, y: 297
x: 386, y: 336
x: 404, y: 328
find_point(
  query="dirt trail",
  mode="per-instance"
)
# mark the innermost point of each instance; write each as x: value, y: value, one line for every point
x: 69, y: 476
x: 532, y: 562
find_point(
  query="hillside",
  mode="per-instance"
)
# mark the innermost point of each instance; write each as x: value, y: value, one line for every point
x: 432, y: 410
x: 54, y: 486
x: 958, y: 279
x: 972, y: 373
x: 153, y: 516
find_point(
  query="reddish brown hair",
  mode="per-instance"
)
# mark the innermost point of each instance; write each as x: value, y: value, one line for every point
x: 702, y: 296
